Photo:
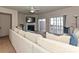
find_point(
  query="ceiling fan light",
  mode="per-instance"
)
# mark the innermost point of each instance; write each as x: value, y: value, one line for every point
x: 32, y: 11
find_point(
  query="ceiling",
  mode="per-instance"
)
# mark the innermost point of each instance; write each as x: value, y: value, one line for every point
x: 42, y: 9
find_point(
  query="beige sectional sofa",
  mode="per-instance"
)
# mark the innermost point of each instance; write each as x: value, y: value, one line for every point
x: 27, y: 42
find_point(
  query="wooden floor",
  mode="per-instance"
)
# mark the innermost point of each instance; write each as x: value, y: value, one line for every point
x: 6, y: 46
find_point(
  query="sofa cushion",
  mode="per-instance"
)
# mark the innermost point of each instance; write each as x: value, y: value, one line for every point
x: 32, y: 36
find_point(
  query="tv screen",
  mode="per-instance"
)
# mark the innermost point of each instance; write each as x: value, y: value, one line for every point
x: 30, y: 19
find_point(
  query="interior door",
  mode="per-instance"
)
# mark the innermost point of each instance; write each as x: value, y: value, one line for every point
x: 4, y: 24
x: 42, y: 25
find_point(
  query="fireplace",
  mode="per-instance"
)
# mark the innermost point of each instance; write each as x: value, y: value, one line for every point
x: 31, y: 28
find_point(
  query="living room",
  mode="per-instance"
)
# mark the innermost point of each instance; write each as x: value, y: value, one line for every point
x: 57, y: 24
x: 47, y: 29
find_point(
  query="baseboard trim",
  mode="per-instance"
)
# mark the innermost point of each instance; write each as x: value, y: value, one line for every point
x: 4, y: 36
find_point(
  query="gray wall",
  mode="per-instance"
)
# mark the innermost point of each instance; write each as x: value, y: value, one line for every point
x: 70, y: 19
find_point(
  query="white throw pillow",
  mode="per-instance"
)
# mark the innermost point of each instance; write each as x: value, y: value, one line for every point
x: 77, y: 34
x: 76, y: 30
x: 64, y: 38
x: 16, y: 30
x: 21, y: 32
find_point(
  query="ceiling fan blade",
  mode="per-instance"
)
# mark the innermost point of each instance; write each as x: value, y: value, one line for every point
x: 33, y: 10
x: 37, y: 9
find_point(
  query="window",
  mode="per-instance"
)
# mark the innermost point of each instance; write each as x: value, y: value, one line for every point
x: 56, y: 25
x: 42, y: 25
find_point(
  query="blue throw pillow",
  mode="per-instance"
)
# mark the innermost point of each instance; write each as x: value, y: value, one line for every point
x: 73, y: 39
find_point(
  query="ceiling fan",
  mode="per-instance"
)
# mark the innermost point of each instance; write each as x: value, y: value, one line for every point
x: 33, y: 9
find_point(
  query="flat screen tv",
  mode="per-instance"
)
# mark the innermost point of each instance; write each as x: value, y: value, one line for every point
x: 30, y: 19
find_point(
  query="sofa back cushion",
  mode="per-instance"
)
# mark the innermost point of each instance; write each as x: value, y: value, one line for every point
x: 62, y: 38
x: 51, y: 36
x: 32, y: 36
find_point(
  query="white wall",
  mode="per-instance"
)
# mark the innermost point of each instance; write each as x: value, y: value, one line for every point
x: 14, y: 15
x: 21, y: 18
x: 70, y: 12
